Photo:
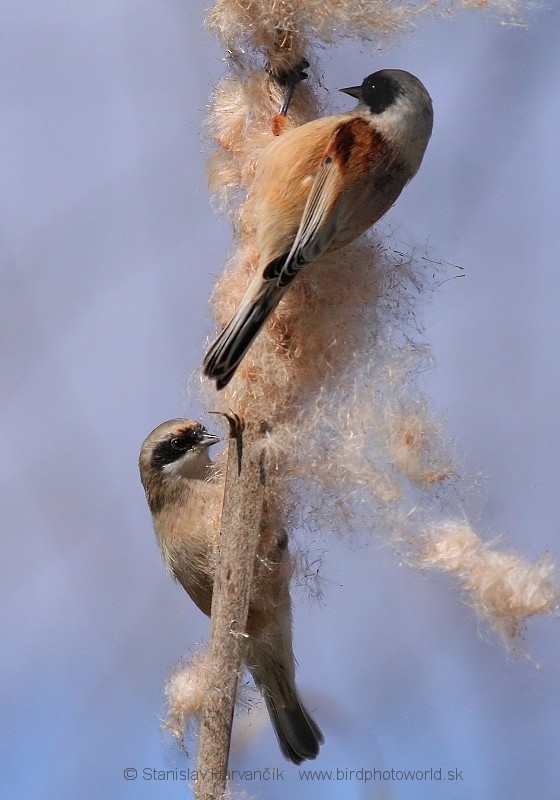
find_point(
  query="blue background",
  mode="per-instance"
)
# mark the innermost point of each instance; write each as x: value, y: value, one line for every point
x: 109, y: 250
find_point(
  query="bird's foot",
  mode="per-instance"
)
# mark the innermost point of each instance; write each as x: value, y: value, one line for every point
x: 289, y: 79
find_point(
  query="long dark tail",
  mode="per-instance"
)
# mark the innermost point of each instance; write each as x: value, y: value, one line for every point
x: 225, y: 355
x: 297, y: 732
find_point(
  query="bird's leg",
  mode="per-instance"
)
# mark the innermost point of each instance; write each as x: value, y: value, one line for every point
x: 289, y: 79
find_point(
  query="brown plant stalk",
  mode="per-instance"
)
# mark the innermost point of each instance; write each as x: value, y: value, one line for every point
x: 239, y: 539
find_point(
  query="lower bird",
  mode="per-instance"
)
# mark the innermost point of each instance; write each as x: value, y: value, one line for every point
x: 184, y: 493
x: 319, y: 186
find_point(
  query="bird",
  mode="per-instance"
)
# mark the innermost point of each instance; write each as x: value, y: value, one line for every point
x: 319, y: 186
x: 184, y: 490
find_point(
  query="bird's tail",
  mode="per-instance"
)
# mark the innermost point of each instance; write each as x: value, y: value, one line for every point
x: 299, y: 736
x: 225, y: 355
x: 297, y: 732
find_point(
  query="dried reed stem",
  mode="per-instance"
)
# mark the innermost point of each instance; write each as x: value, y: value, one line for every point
x: 241, y: 519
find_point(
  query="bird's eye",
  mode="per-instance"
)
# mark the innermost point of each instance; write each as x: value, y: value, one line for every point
x: 179, y: 443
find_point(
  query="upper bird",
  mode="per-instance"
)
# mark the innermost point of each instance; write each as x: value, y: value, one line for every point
x: 319, y: 186
x: 185, y: 492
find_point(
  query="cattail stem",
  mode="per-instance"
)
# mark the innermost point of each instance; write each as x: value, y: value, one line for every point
x: 239, y: 536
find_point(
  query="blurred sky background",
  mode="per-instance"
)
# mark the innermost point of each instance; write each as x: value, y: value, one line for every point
x: 108, y: 254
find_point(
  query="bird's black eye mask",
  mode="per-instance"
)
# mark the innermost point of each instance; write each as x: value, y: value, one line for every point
x: 379, y: 91
x: 172, y: 449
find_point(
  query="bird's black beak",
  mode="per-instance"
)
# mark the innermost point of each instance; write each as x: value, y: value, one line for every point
x: 353, y: 91
x: 208, y: 439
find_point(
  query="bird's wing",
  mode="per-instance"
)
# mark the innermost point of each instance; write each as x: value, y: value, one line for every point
x: 346, y: 161
x: 316, y: 228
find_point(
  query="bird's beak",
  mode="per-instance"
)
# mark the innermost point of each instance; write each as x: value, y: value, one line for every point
x: 208, y: 439
x: 353, y: 91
